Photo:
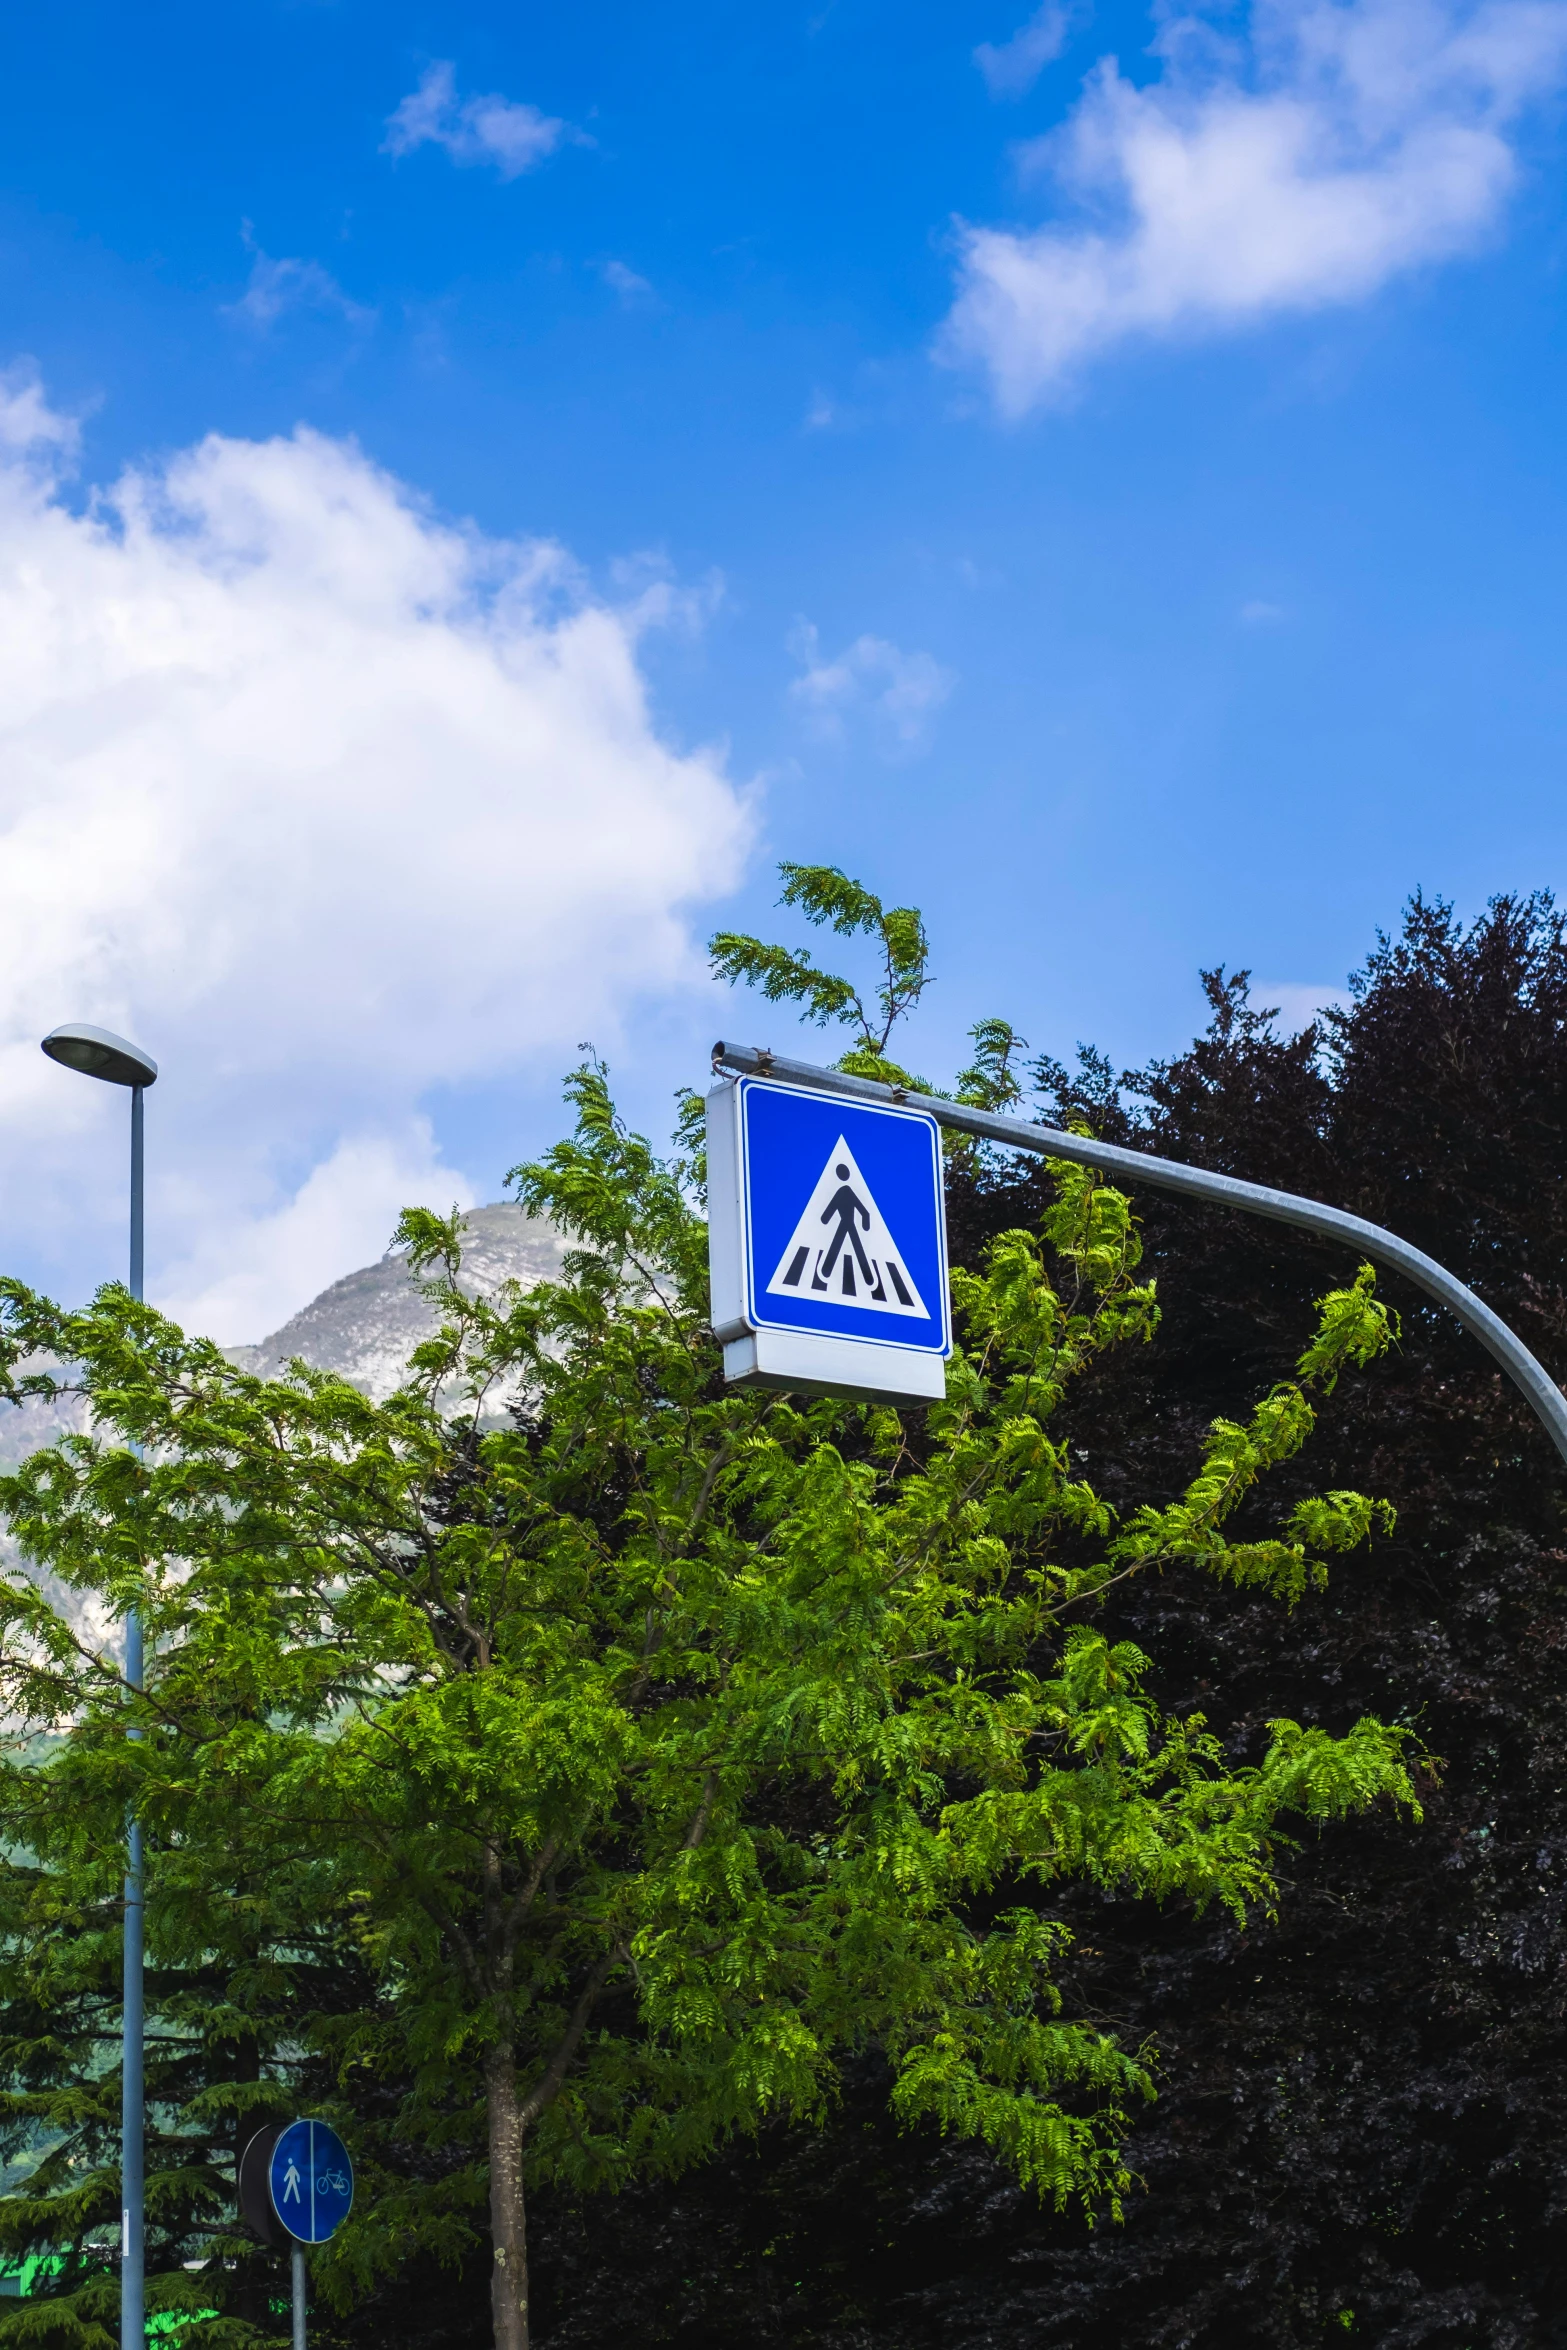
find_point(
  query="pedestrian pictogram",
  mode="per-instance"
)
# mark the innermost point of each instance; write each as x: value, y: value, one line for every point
x: 841, y: 1248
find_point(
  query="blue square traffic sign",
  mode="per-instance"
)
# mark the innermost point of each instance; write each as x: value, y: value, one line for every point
x: 844, y: 1229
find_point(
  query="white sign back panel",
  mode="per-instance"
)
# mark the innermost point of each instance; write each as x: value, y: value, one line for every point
x: 828, y: 1242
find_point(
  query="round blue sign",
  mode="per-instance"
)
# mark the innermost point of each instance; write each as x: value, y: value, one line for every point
x: 311, y: 2180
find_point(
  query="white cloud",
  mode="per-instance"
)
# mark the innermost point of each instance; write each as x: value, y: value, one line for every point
x: 1336, y: 144
x: 279, y: 285
x: 635, y: 292
x: 503, y: 131
x: 325, y: 802
x: 1256, y: 612
x: 1011, y: 68
x: 30, y: 430
x: 900, y: 692
x: 341, y: 1215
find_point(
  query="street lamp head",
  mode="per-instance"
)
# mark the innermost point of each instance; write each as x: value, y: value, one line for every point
x: 98, y: 1052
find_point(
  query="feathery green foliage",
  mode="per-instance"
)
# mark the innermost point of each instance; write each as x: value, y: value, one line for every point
x: 826, y: 895
x: 638, y: 1749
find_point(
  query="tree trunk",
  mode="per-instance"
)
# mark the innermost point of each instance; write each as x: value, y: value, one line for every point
x: 508, y: 2213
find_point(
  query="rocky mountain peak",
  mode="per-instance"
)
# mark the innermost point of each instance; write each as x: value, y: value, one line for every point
x: 367, y: 1325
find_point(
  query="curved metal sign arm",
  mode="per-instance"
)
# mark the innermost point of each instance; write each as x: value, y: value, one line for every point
x: 1256, y: 1199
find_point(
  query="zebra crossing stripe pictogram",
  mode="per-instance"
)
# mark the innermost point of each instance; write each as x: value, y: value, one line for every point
x: 841, y: 1252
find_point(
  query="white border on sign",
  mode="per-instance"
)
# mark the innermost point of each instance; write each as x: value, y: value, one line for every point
x: 761, y: 1321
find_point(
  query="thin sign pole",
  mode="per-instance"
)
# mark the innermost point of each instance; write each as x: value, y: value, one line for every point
x: 298, y: 2265
x: 133, y: 2296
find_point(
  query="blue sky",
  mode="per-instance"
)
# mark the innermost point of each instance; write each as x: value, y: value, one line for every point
x: 1117, y: 508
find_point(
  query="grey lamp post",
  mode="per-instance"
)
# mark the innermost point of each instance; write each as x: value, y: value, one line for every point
x: 96, y: 1052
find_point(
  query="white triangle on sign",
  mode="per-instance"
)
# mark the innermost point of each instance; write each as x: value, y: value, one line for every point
x: 841, y: 1251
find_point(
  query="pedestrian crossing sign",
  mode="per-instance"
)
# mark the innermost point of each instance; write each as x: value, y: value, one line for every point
x: 827, y: 1244
x: 828, y: 1241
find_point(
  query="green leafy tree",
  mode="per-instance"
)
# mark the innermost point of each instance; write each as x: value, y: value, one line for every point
x: 243, y: 1953
x: 991, y: 1082
x: 658, y: 1748
x: 784, y: 975
x: 827, y: 896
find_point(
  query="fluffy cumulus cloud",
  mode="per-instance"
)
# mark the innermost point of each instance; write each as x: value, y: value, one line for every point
x: 898, y: 693
x: 1301, y: 163
x: 323, y: 801
x: 503, y: 132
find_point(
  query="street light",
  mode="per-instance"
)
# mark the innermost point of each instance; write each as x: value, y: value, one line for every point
x: 97, y: 1052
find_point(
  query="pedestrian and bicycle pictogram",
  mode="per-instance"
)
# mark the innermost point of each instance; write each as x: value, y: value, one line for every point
x: 311, y: 2180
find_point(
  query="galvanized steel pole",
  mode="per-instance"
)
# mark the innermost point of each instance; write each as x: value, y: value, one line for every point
x: 1255, y: 1199
x: 98, y: 1052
